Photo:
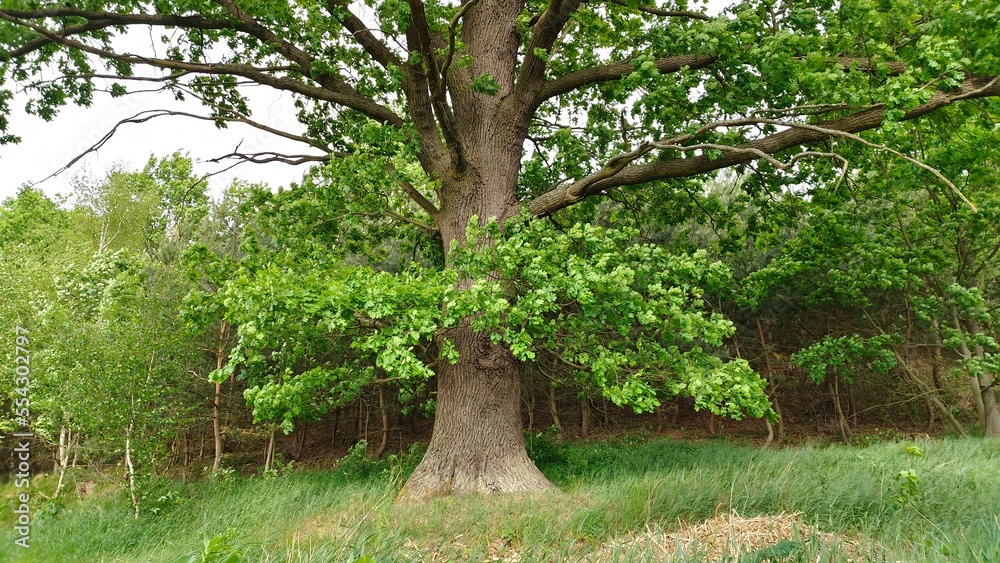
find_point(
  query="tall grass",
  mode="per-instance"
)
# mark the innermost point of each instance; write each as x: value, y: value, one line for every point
x: 946, y: 511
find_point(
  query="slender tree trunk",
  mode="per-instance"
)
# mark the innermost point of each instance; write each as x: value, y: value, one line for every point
x: 217, y: 428
x: 781, y: 420
x: 269, y: 452
x: 987, y: 392
x: 131, y: 472
x: 336, y: 424
x: 770, y: 382
x: 977, y: 392
x: 384, y: 417
x: 62, y: 457
x: 368, y: 420
x: 929, y: 392
x: 852, y: 409
x: 531, y: 409
x: 302, y: 440
x: 841, y: 419
x: 220, y: 354
x: 554, y: 409
x: 359, y: 425
x: 584, y: 418
x: 660, y: 419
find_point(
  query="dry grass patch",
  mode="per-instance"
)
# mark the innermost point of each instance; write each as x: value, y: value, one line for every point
x: 731, y: 537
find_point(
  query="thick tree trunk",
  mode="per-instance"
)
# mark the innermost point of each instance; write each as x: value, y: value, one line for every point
x: 990, y: 405
x: 477, y: 445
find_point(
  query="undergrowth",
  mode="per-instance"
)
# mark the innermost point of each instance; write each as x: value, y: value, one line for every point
x: 932, y: 501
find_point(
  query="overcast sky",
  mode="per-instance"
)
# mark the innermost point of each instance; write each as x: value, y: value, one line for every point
x: 48, y: 147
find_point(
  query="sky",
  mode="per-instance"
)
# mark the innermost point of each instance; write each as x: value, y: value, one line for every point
x: 46, y: 147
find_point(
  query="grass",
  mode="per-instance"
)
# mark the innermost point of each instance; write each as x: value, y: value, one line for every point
x: 610, y: 494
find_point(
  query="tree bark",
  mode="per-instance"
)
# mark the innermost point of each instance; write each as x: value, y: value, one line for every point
x: 336, y: 423
x: 269, y: 452
x: 841, y: 419
x: 217, y: 428
x: 220, y: 355
x: 781, y: 420
x: 554, y: 408
x: 130, y: 474
x: 977, y: 394
x: 384, y: 417
x: 929, y: 392
x: 990, y: 405
x: 65, y: 442
x: 584, y: 418
x: 531, y: 409
x: 477, y: 445
x: 987, y: 392
x: 302, y: 440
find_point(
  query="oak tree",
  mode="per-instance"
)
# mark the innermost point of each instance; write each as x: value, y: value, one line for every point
x: 511, y: 105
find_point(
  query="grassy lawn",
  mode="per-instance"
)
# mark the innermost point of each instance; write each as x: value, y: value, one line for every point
x: 630, y: 500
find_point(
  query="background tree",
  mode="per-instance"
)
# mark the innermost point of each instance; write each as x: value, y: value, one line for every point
x: 111, y: 363
x: 508, y: 105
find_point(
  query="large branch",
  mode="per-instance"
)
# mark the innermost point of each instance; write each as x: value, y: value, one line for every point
x: 631, y: 174
x: 97, y: 21
x: 291, y: 52
x: 357, y: 28
x: 349, y: 99
x: 543, y: 36
x: 427, y: 87
x: 615, y: 71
